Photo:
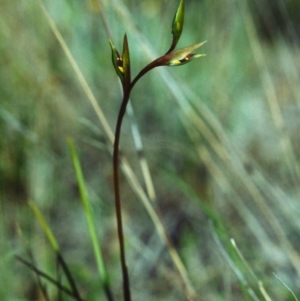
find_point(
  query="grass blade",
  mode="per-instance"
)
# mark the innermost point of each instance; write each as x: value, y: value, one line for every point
x: 50, y: 236
x: 47, y: 230
x: 41, y: 274
x: 90, y: 219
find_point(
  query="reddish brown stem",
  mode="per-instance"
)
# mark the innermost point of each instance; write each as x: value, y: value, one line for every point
x: 126, y: 285
x: 126, y: 90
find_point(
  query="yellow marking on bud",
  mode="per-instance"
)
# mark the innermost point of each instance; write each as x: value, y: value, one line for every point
x: 120, y: 64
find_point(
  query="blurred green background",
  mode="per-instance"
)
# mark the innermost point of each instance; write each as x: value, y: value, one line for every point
x: 220, y: 135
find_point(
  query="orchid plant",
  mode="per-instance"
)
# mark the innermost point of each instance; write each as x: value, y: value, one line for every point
x: 122, y: 67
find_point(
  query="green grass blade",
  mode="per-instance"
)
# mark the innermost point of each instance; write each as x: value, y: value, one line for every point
x: 89, y: 214
x: 48, y: 232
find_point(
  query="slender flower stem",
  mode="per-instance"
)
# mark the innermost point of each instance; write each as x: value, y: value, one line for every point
x: 127, y: 88
x: 150, y: 66
x: 118, y: 207
x: 126, y: 285
x: 122, y: 67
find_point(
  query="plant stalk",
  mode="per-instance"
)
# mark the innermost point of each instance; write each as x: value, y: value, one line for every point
x: 126, y: 285
x: 127, y: 88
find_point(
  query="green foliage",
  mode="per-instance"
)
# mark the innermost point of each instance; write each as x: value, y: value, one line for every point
x: 48, y: 232
x: 103, y: 275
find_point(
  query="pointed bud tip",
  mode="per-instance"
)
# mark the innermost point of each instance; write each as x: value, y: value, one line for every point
x: 126, y: 60
x: 198, y: 55
x: 177, y: 25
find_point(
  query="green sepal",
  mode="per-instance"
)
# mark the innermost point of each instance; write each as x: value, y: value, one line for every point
x: 117, y: 61
x: 180, y: 57
x: 126, y: 62
x: 177, y: 25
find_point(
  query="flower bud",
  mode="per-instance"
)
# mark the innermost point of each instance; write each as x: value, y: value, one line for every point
x: 181, y: 56
x: 122, y: 63
x: 177, y: 25
x: 126, y: 63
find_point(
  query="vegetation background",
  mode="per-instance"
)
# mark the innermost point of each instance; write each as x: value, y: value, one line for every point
x: 220, y: 135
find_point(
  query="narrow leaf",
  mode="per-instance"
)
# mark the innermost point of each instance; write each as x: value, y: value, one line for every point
x: 41, y: 274
x: 88, y: 214
x: 55, y: 246
x: 44, y: 225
